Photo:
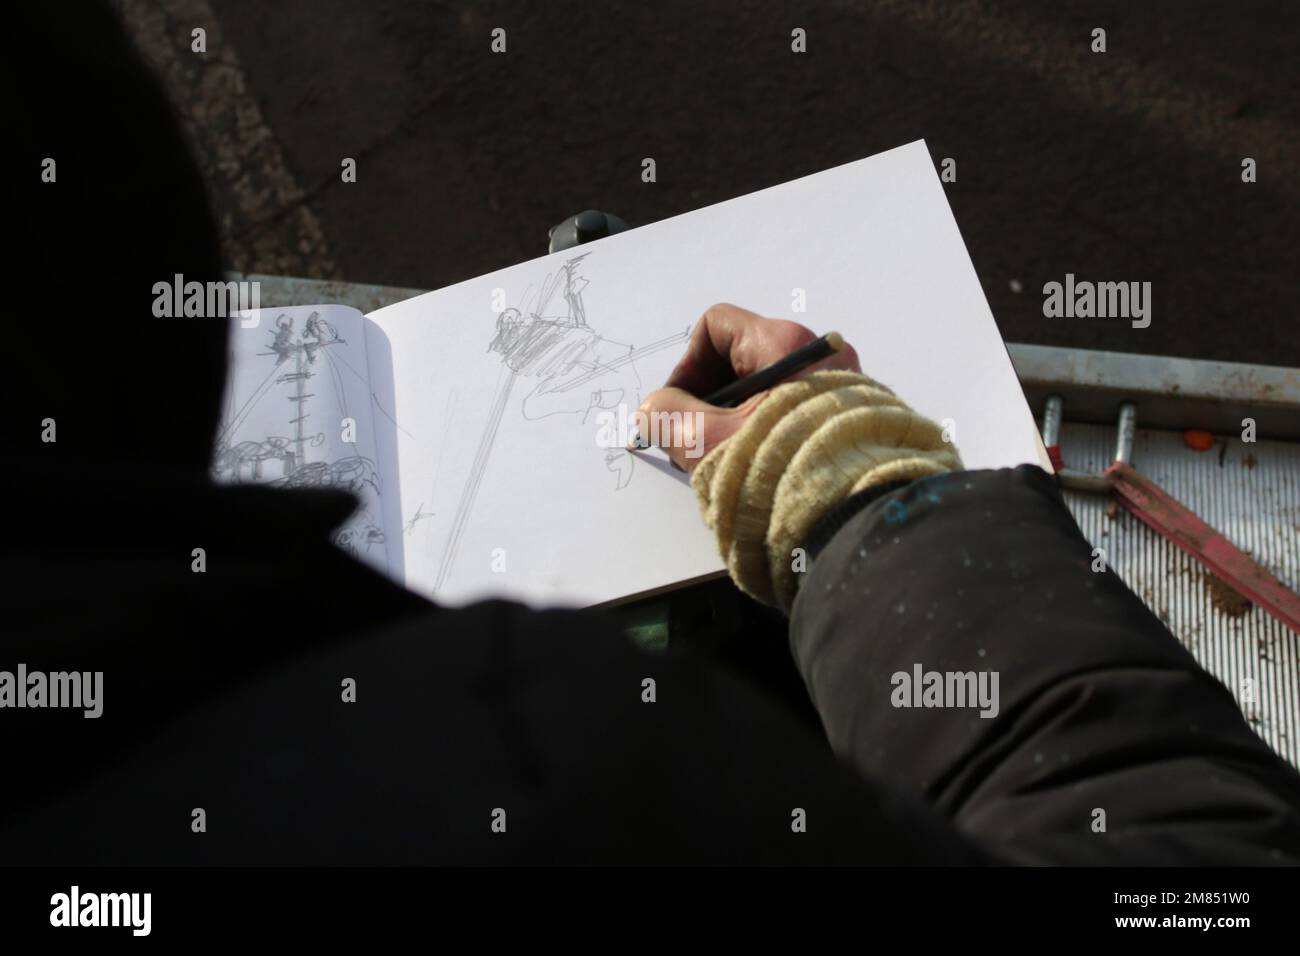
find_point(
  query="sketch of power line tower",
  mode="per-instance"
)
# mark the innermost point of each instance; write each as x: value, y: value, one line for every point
x: 248, y: 460
x: 570, y: 369
x: 301, y: 349
x: 282, y: 460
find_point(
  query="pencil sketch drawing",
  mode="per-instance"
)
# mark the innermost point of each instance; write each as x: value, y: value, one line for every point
x: 420, y: 515
x: 548, y: 347
x: 296, y: 458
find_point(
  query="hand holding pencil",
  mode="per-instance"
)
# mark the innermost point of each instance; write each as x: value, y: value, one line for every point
x: 733, y: 358
x: 809, y: 432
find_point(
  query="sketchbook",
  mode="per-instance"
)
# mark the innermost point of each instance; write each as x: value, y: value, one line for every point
x: 472, y: 423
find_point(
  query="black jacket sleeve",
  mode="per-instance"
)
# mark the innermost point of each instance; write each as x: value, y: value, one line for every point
x: 1109, y: 743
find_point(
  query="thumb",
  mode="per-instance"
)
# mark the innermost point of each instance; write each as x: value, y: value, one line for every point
x: 685, y: 427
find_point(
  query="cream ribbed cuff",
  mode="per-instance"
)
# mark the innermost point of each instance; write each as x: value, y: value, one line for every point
x: 809, y: 445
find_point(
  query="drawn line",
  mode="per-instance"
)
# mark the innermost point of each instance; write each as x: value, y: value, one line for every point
x: 624, y: 360
x: 375, y: 399
x: 470, y: 491
x: 340, y: 394
x: 360, y: 378
x: 247, y: 407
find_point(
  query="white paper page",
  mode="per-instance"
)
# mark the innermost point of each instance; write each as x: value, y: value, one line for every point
x: 535, y: 511
x: 298, y: 414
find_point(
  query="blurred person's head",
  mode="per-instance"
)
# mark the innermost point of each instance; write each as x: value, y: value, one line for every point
x: 126, y: 210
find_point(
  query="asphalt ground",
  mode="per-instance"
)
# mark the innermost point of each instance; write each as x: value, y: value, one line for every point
x: 1116, y: 166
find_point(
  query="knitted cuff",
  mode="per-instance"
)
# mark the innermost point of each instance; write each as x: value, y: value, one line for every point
x: 809, y: 445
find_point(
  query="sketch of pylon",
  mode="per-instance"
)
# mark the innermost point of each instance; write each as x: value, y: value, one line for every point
x: 301, y: 349
x: 570, y: 367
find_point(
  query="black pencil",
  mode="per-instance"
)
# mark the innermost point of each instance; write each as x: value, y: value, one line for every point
x: 729, y: 396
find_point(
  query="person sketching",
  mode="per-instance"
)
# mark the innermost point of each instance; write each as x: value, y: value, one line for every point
x: 267, y: 699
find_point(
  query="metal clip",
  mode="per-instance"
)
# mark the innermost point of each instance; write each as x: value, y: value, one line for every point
x: 1125, y: 430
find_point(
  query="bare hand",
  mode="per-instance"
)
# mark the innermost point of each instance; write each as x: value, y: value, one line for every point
x: 728, y: 343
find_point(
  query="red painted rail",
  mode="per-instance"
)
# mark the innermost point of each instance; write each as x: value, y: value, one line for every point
x: 1170, y: 518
